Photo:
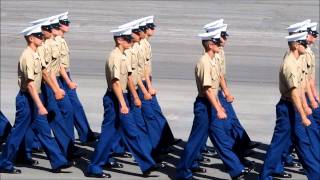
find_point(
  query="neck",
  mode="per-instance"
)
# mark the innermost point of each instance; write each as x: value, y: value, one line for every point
x: 295, y: 54
x: 121, y: 48
x: 210, y: 53
x: 61, y: 33
x: 33, y: 47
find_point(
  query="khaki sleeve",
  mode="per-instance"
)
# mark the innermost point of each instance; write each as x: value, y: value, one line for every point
x: 42, y: 54
x: 313, y: 67
x: 313, y: 72
x: 64, y: 53
x: 128, y: 56
x: 54, y: 50
x: 204, y: 75
x: 141, y: 63
x: 223, y: 66
x: 30, y: 67
x: 148, y: 51
x: 115, y: 68
x: 292, y: 77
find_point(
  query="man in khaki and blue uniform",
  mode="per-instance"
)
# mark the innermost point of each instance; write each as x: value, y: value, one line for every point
x: 80, y: 119
x: 210, y: 117
x: 31, y: 111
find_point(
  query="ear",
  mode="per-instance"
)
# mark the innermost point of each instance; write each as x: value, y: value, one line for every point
x: 31, y: 38
x: 119, y: 40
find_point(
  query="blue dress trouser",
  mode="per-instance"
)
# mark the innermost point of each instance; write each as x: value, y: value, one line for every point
x: 135, y: 139
x: 288, y: 125
x: 5, y: 127
x: 27, y: 116
x: 148, y: 114
x: 80, y: 119
x: 101, y: 154
x: 129, y: 131
x: 316, y: 115
x: 66, y: 110
x: 118, y: 145
x: 167, y: 137
x: 59, y: 111
x: 238, y: 132
x: 205, y: 122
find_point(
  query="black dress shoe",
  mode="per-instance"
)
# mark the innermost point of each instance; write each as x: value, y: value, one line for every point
x: 253, y: 144
x: 199, y: 170
x: 122, y: 155
x: 293, y: 165
x: 161, y: 164
x: 29, y: 162
x: 11, y: 171
x: 76, y: 155
x: 248, y: 163
x: 37, y: 150
x: 209, y: 153
x: 239, y: 177
x: 282, y: 175
x: 65, y: 166
x: 248, y: 153
x: 205, y: 160
x: 114, y: 165
x: 176, y: 141
x: 248, y: 169
x: 192, y: 178
x: 148, y: 171
x: 154, y: 168
x: 103, y: 175
x: 166, y: 150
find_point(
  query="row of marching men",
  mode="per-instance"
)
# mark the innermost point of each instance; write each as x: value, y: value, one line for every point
x: 132, y: 115
x: 48, y: 108
x: 133, y: 120
x: 298, y: 114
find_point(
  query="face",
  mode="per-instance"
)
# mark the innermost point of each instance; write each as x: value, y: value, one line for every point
x: 64, y: 28
x: 142, y: 34
x: 301, y: 49
x: 46, y: 34
x: 125, y: 43
x: 55, y: 32
x: 150, y: 32
x: 311, y: 39
x: 223, y: 42
x: 36, y: 40
x: 214, y: 48
x: 135, y: 37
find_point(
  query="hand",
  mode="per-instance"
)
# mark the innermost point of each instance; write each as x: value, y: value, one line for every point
x: 314, y: 105
x: 230, y: 98
x: 124, y: 110
x: 221, y: 114
x: 317, y: 98
x: 152, y: 91
x: 306, y: 122
x: 137, y: 102
x: 62, y: 91
x: 308, y: 110
x: 59, y: 95
x: 147, y: 96
x: 72, y: 85
x: 42, y: 111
